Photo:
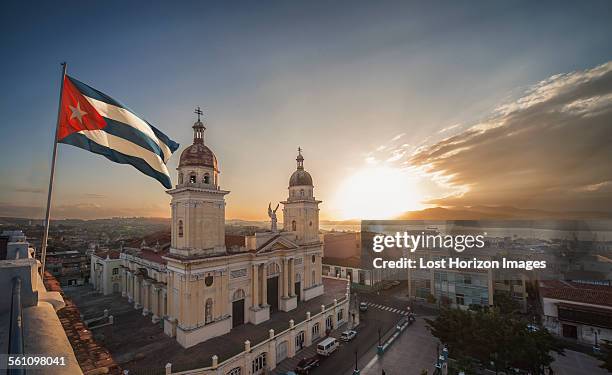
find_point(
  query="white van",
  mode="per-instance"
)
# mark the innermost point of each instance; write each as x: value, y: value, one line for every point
x: 327, y: 346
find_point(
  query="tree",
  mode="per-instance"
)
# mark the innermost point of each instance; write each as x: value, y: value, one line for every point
x: 493, y: 338
x: 505, y: 303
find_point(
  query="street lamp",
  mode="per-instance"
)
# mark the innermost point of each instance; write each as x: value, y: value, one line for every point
x: 356, y: 370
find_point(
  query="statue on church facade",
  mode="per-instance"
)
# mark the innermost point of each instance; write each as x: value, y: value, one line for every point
x: 272, y: 214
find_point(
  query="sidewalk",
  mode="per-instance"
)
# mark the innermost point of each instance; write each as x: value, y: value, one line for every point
x: 412, y: 352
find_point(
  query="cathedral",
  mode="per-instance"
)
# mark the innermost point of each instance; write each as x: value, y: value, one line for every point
x: 201, y: 286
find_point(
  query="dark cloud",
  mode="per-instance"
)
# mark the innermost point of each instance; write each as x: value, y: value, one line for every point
x: 551, y: 149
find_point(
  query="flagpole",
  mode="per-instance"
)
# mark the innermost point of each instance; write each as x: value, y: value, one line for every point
x: 43, y: 253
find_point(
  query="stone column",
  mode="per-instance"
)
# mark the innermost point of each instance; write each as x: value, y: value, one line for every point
x: 291, y: 277
x: 137, y: 296
x: 130, y: 290
x: 124, y: 282
x: 155, y: 304
x: 255, y: 294
x: 146, y: 305
x: 264, y: 286
x: 285, y: 280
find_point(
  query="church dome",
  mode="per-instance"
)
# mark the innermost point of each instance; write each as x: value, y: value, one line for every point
x: 300, y: 177
x: 198, y: 154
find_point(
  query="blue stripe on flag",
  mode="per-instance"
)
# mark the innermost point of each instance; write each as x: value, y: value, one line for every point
x: 81, y: 141
x: 173, y: 146
x: 133, y: 135
x: 93, y: 93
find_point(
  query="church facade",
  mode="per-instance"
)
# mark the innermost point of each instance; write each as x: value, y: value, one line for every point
x: 200, y: 286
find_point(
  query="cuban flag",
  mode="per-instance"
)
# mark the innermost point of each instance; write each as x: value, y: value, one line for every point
x: 98, y: 123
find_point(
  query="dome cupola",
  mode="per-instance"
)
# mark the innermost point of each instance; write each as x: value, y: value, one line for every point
x: 300, y: 177
x: 198, y: 154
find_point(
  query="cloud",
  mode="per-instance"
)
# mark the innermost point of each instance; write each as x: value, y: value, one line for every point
x: 551, y: 148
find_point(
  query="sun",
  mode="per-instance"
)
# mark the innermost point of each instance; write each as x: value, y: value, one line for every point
x: 377, y: 192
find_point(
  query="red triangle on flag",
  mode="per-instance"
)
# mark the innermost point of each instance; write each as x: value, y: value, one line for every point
x: 76, y: 113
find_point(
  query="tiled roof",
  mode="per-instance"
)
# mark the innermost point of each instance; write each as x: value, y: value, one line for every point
x: 92, y: 358
x: 577, y: 292
x: 234, y: 240
x: 153, y: 256
x: 113, y: 254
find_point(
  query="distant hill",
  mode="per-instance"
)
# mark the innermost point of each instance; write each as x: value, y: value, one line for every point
x: 499, y: 212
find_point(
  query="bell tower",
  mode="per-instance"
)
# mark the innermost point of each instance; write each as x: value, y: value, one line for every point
x: 301, y: 209
x: 198, y: 203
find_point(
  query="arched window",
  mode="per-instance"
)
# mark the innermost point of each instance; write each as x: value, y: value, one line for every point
x: 301, y: 192
x: 180, y: 228
x: 293, y: 226
x: 192, y: 178
x: 206, y: 179
x: 310, y: 223
x: 208, y: 311
x: 180, y: 178
x: 314, y: 277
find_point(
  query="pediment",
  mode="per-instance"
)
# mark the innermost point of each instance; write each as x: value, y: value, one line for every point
x: 277, y: 243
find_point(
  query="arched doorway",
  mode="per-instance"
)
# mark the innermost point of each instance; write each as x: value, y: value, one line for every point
x: 238, y: 308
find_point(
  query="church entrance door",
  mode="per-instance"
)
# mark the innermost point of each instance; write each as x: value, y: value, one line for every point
x: 273, y: 293
x: 237, y: 313
x: 298, y: 287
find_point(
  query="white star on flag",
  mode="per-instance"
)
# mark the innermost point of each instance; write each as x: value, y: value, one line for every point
x: 77, y: 112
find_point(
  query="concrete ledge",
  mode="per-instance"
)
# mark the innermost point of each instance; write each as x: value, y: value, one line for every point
x: 190, y: 337
x: 44, y: 334
x: 288, y: 304
x: 313, y: 292
x: 259, y: 315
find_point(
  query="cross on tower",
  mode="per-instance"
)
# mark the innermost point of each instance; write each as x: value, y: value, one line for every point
x: 199, y: 112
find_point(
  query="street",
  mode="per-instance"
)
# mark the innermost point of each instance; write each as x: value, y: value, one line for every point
x: 385, y: 317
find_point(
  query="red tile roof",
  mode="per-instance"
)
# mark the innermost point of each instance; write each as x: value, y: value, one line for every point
x: 153, y: 256
x: 113, y: 254
x: 234, y: 240
x: 92, y: 358
x: 577, y: 292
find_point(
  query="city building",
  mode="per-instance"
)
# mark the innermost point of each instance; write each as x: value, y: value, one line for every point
x: 201, y: 286
x: 577, y: 311
x: 343, y: 258
x: 70, y: 267
x: 105, y: 271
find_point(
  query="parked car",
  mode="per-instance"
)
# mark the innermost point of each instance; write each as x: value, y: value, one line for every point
x: 363, y: 307
x: 348, y: 335
x: 327, y: 346
x: 306, y: 364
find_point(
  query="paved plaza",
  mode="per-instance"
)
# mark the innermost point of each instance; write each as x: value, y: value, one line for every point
x: 141, y: 346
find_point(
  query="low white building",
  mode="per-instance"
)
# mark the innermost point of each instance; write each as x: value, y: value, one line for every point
x: 105, y: 271
x: 577, y: 311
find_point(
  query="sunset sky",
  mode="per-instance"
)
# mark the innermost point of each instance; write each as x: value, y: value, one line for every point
x: 397, y: 105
